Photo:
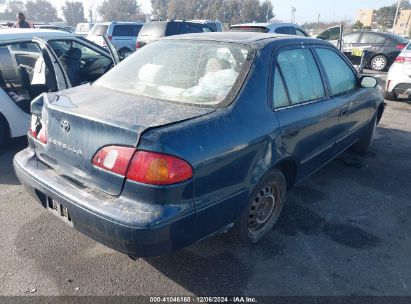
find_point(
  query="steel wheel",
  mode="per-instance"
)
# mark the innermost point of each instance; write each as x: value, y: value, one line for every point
x: 266, y: 207
x: 378, y: 63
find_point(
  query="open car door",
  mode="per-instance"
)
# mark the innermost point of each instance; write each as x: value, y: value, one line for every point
x: 334, y: 35
x: 112, y: 50
x: 49, y: 68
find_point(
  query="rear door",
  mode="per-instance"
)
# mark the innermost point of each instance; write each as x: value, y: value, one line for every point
x: 307, y: 116
x: 373, y: 43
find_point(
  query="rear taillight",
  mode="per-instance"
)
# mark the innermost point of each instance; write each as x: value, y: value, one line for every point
x: 137, y: 45
x: 400, y: 46
x: 143, y: 167
x: 158, y: 169
x: 38, y: 129
x: 402, y: 59
x: 114, y: 159
x: 110, y: 38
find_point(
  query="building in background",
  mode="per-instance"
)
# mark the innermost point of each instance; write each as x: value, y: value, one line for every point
x: 403, y: 25
x: 366, y: 17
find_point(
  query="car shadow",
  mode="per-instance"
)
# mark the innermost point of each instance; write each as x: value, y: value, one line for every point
x: 333, y: 225
x: 7, y: 175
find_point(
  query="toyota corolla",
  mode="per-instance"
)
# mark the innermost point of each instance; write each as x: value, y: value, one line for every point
x: 195, y: 135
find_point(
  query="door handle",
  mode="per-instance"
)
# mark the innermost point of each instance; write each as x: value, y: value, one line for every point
x: 292, y: 132
x: 344, y: 111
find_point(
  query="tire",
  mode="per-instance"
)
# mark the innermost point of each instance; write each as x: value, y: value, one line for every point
x: 265, y: 206
x: 364, y: 143
x: 391, y: 96
x: 3, y: 132
x: 379, y: 63
x: 122, y: 52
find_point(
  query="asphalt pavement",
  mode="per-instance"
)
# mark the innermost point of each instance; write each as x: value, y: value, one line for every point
x: 344, y: 231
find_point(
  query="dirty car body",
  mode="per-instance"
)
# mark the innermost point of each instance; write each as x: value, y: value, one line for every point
x: 97, y: 153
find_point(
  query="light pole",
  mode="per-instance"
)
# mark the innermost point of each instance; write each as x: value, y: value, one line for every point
x: 293, y: 10
x: 396, y: 15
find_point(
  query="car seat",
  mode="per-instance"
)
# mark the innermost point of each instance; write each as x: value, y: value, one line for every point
x: 25, y: 78
x: 71, y: 60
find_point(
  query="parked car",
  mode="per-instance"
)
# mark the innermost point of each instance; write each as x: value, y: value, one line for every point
x: 194, y: 135
x: 381, y: 48
x: 152, y: 31
x: 67, y: 29
x: 216, y: 25
x: 399, y: 76
x: 52, y: 61
x: 83, y: 29
x: 123, y: 35
x: 279, y: 28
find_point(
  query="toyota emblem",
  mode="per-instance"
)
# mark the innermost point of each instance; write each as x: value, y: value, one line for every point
x: 65, y: 125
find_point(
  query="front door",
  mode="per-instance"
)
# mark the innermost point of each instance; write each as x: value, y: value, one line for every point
x: 352, y: 101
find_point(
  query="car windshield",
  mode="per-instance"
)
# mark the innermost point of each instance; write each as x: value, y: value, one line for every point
x: 205, y: 73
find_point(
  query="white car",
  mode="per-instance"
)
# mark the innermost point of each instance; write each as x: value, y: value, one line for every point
x: 399, y: 76
x: 83, y: 29
x: 278, y: 27
x: 50, y: 62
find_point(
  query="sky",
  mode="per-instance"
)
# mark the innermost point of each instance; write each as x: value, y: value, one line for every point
x: 307, y: 10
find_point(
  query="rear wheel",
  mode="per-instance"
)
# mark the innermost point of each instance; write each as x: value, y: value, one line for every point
x: 379, y: 63
x: 122, y: 53
x: 391, y: 96
x: 264, y: 209
x: 364, y: 143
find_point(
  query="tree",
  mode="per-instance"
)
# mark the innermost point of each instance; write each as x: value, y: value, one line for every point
x: 358, y: 25
x: 124, y: 10
x: 12, y: 9
x: 227, y: 11
x: 160, y: 8
x: 73, y: 12
x: 41, y: 11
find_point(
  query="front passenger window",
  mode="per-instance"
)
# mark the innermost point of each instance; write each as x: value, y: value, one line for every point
x: 340, y: 76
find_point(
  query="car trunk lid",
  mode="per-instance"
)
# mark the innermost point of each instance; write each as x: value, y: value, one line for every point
x: 82, y: 120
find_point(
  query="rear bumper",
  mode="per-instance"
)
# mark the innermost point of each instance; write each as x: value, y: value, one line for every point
x: 133, y: 228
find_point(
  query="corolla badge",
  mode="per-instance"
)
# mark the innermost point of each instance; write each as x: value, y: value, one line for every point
x: 65, y: 125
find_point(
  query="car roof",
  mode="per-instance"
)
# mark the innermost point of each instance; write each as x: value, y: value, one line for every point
x: 117, y: 22
x: 19, y: 34
x: 267, y: 25
x: 241, y: 37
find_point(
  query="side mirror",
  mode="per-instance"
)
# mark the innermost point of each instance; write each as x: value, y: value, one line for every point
x: 368, y: 82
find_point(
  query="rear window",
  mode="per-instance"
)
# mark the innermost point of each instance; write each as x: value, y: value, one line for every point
x: 204, y: 73
x: 99, y: 30
x: 153, y: 30
x: 287, y: 30
x: 256, y: 29
x: 126, y: 30
x: 399, y: 39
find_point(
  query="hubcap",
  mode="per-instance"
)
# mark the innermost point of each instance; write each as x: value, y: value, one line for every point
x: 378, y: 63
x: 264, y: 206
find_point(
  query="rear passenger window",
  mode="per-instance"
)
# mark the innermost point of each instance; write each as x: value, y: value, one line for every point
x: 372, y: 38
x: 340, y: 76
x: 126, y: 30
x: 279, y: 91
x: 301, y: 75
x: 300, y: 33
x: 285, y: 30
